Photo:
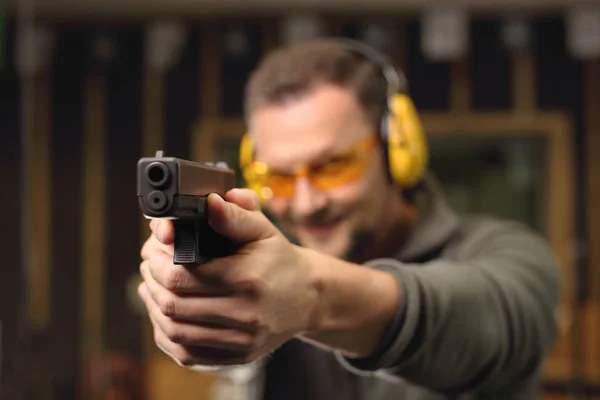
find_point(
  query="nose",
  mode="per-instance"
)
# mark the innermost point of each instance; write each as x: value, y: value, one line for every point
x: 307, y: 199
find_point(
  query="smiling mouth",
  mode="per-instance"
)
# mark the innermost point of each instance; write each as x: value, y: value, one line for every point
x: 322, y: 226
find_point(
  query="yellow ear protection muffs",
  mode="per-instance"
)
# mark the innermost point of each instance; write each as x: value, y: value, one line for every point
x: 246, y: 157
x: 402, y: 133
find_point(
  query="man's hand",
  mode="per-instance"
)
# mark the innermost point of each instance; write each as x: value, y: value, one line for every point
x: 235, y: 309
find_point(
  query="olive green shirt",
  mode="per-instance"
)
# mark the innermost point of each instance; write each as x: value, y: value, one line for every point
x: 476, y: 320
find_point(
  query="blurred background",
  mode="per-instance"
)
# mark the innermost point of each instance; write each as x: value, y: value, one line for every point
x: 509, y: 92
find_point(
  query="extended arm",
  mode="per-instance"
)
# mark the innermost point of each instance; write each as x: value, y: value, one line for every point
x: 478, y: 323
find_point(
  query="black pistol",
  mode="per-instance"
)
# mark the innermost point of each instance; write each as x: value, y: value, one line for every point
x: 176, y: 189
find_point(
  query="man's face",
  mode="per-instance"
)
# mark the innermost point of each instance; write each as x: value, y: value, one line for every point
x: 308, y: 131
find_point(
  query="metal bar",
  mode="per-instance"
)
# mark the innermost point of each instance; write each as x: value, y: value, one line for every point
x: 74, y: 9
x: 25, y: 23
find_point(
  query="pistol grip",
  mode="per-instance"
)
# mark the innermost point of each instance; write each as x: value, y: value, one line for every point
x: 186, y: 242
x: 196, y: 243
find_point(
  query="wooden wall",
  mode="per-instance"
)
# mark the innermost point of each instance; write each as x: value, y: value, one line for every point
x: 95, y: 116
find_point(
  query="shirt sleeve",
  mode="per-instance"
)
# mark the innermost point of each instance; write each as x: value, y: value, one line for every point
x: 475, y: 324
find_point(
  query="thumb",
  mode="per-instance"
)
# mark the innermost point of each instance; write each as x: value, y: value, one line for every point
x: 236, y: 223
x: 245, y: 198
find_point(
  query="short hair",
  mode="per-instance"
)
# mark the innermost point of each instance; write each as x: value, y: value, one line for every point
x: 290, y: 72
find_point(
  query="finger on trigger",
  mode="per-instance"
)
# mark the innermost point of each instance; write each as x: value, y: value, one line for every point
x: 165, y: 232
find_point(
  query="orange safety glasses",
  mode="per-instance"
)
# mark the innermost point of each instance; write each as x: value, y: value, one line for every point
x: 335, y: 171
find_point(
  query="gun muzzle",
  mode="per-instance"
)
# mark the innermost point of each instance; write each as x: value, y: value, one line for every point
x: 158, y: 174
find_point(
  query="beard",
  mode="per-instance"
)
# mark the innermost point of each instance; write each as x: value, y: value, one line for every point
x: 361, y: 240
x: 319, y: 218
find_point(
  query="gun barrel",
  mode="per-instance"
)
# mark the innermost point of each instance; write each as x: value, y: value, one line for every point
x: 176, y: 189
x: 170, y: 187
x: 158, y: 174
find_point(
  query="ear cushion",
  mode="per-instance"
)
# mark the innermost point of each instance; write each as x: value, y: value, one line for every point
x: 408, y: 155
x: 246, y: 152
x: 246, y: 157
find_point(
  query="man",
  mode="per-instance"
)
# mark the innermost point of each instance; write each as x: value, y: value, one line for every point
x: 377, y: 291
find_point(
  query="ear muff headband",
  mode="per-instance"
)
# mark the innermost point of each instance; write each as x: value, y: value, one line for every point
x: 401, y: 128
